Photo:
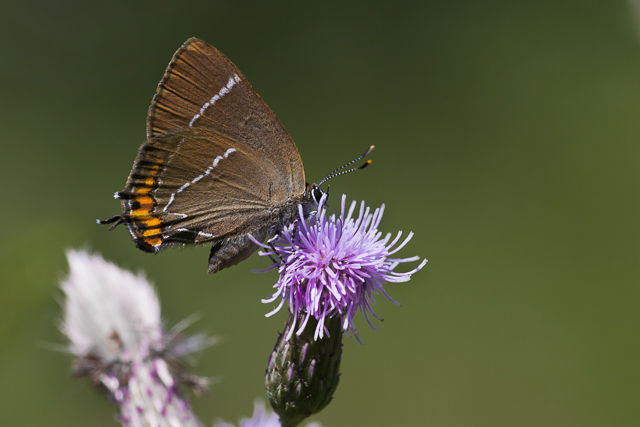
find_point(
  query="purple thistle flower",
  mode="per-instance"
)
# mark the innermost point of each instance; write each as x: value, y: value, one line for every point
x: 112, y: 319
x: 334, y: 266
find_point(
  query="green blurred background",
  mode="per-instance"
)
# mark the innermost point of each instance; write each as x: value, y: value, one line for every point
x: 507, y: 140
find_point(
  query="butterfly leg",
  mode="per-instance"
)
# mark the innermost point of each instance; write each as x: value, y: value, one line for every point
x: 273, y: 260
x: 273, y: 248
x: 295, y: 230
x: 226, y: 253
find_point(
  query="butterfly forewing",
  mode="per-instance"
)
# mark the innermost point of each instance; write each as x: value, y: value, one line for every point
x: 196, y: 186
x: 202, y: 88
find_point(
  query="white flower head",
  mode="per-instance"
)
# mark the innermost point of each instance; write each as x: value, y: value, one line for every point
x: 109, y: 312
x: 112, y: 319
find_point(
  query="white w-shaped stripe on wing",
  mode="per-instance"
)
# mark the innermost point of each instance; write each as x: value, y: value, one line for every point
x: 199, y: 177
x: 225, y: 90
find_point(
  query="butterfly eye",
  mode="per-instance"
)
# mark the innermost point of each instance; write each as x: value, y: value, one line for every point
x: 317, y: 193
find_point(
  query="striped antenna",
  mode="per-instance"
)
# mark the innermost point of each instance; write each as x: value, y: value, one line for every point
x: 337, y: 173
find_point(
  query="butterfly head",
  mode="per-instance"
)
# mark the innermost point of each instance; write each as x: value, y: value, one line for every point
x: 314, y: 192
x: 312, y: 196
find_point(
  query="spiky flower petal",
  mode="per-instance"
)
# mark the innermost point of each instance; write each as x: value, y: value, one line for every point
x: 332, y: 266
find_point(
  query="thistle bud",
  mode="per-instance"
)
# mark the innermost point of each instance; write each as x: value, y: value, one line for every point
x: 303, y: 373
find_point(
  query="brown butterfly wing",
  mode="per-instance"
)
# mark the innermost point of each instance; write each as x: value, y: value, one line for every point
x: 202, y: 88
x: 197, y: 186
x: 218, y: 166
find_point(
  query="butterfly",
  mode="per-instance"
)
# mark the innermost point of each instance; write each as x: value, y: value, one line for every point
x: 217, y: 166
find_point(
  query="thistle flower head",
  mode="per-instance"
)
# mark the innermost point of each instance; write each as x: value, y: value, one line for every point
x: 109, y: 312
x: 112, y: 319
x: 333, y: 266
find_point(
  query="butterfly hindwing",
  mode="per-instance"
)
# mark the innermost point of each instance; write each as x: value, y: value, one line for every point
x: 195, y: 186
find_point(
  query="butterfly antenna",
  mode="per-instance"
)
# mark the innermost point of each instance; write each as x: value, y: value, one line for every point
x: 337, y: 173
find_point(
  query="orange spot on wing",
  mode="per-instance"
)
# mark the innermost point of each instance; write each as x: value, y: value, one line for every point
x: 151, y: 232
x: 153, y: 241
x: 143, y: 190
x: 149, y: 182
x: 150, y: 222
x: 146, y: 205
